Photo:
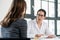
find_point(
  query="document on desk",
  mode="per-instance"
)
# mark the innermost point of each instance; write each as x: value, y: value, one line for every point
x: 45, y: 38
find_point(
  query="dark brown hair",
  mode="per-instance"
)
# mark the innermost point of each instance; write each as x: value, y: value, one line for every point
x: 15, y: 13
x: 42, y: 11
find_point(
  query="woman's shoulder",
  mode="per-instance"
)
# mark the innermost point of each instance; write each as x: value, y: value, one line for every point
x: 19, y: 22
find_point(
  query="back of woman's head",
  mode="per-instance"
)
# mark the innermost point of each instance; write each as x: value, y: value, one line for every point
x: 16, y: 12
x: 18, y: 8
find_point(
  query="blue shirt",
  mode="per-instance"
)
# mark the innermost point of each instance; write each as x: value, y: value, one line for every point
x: 5, y: 32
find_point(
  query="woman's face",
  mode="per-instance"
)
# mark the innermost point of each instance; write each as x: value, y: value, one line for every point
x: 40, y: 15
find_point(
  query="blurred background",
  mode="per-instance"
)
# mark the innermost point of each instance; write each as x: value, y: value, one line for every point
x: 51, y: 7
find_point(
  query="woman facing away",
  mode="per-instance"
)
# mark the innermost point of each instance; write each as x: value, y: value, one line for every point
x: 14, y: 25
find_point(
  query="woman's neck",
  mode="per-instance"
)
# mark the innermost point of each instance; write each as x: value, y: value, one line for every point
x: 39, y: 23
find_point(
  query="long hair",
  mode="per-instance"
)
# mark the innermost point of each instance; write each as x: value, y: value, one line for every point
x: 15, y: 13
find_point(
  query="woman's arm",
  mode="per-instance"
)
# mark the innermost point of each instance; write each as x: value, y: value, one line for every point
x: 49, y: 33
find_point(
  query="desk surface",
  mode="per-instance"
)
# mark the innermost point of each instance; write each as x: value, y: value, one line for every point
x: 56, y: 38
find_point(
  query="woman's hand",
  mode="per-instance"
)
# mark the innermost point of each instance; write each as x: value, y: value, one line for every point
x: 38, y: 35
x: 51, y: 36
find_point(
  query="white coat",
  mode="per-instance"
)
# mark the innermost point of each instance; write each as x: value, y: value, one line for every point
x: 33, y: 29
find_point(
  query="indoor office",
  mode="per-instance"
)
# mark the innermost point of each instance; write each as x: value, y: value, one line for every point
x: 51, y: 7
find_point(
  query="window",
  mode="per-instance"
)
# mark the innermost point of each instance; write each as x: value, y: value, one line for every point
x: 45, y: 7
x: 28, y: 2
x: 58, y: 1
x: 58, y: 10
x: 51, y: 0
x: 51, y: 10
x: 52, y: 26
x: 37, y: 6
x: 58, y: 27
x: 58, y: 18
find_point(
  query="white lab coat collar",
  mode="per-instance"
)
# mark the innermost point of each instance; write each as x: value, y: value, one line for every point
x: 37, y: 25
